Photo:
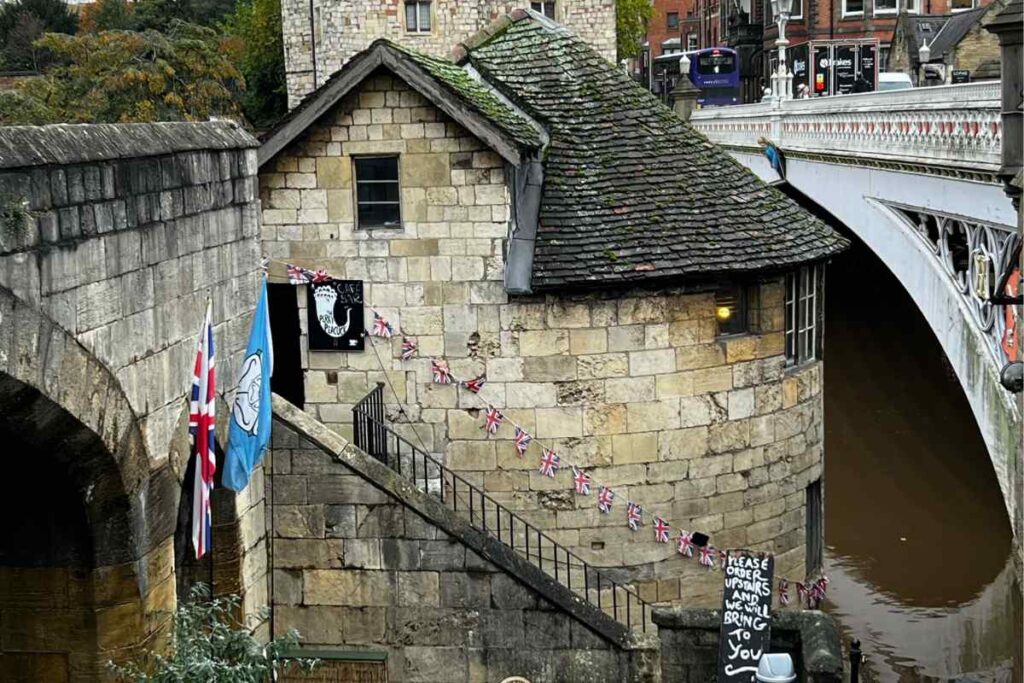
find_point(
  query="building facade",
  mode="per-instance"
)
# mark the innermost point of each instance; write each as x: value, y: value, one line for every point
x: 605, y: 325
x: 320, y: 36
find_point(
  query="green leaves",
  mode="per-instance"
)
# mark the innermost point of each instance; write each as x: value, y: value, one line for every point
x: 631, y: 17
x: 210, y: 646
x: 256, y: 46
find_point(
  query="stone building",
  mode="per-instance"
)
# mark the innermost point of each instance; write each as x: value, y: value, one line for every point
x: 635, y: 298
x: 321, y: 36
x: 957, y: 41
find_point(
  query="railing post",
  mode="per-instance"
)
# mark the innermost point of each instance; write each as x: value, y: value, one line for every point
x: 855, y: 658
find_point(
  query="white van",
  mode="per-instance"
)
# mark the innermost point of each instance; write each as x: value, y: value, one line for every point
x: 894, y: 80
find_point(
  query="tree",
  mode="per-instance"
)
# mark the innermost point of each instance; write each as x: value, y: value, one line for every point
x: 210, y: 646
x: 23, y: 22
x: 631, y: 17
x: 159, y: 14
x: 257, y: 48
x: 106, y: 15
x: 125, y: 76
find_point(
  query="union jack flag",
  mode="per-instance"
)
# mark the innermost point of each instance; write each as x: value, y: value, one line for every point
x: 605, y: 496
x: 475, y: 384
x: 492, y: 420
x: 582, y: 481
x: 522, y: 440
x: 201, y: 422
x: 707, y: 557
x: 801, y: 593
x: 408, y: 348
x: 549, y: 463
x: 297, y: 275
x: 783, y: 592
x: 381, y: 327
x: 685, y: 544
x: 439, y: 368
x: 321, y: 276
x: 634, y: 515
x: 660, y: 530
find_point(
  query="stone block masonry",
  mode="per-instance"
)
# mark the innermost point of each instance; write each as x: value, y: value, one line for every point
x: 712, y: 433
x: 340, y: 30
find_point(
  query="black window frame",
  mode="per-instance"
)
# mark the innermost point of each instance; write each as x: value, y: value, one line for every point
x: 416, y: 27
x: 733, y: 292
x: 668, y: 20
x: 542, y: 7
x: 804, y: 302
x: 814, y: 525
x: 360, y: 223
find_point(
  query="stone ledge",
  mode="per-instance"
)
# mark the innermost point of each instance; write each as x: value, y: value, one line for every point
x: 23, y: 146
x: 506, y: 559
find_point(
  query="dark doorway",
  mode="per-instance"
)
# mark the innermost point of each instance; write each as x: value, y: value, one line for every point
x: 287, y: 380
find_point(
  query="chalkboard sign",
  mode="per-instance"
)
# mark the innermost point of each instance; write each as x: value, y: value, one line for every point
x: 746, y: 620
x: 335, y: 315
x: 961, y: 76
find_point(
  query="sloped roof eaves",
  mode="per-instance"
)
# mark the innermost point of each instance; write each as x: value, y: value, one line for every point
x: 954, y: 30
x: 631, y: 192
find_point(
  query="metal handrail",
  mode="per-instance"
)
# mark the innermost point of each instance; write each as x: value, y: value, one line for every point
x: 373, y: 435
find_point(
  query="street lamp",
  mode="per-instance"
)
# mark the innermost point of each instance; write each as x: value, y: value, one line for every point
x: 782, y: 80
x: 924, y: 55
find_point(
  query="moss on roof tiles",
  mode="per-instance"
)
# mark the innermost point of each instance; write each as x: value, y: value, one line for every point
x: 475, y: 94
x: 625, y: 176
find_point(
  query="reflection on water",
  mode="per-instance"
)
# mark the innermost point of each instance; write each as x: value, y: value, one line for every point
x: 918, y: 538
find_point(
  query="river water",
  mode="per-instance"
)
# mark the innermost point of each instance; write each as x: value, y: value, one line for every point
x: 917, y: 538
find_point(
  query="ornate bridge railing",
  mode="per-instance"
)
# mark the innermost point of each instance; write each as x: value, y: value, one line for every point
x: 953, y: 128
x: 378, y: 438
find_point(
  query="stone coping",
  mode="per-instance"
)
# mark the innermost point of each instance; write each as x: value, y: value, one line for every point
x: 820, y: 646
x: 488, y: 547
x: 22, y: 146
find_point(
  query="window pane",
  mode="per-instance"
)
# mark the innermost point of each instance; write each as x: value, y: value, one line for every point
x: 377, y: 168
x: 410, y: 16
x: 854, y: 6
x: 549, y: 10
x: 673, y: 20
x: 886, y: 5
x: 377, y: 192
x: 378, y: 215
x: 731, y: 310
x: 424, y: 16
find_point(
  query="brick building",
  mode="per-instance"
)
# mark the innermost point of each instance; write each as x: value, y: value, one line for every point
x: 321, y: 35
x: 630, y: 293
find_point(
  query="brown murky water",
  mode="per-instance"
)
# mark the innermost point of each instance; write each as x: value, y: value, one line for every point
x: 918, y: 541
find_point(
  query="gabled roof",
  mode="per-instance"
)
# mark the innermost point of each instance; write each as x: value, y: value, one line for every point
x: 452, y: 89
x: 631, y: 192
x: 954, y: 30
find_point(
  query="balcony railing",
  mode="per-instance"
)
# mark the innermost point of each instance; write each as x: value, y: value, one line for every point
x: 379, y: 439
x: 954, y: 126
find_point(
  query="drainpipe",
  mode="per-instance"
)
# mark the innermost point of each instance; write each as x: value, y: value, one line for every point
x: 312, y: 41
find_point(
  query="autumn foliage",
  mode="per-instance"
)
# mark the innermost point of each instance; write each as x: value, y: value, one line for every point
x: 182, y: 74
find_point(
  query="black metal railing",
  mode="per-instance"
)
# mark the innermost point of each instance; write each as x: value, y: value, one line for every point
x: 383, y: 441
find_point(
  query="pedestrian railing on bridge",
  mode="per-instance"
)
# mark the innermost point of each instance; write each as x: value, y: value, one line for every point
x: 374, y: 435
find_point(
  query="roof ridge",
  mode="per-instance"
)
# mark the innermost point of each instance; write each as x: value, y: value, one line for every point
x: 491, y: 30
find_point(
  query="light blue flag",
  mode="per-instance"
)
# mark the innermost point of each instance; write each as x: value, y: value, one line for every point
x: 251, y: 413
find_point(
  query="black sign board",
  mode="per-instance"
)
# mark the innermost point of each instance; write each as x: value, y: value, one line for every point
x: 867, y: 64
x: 746, y: 618
x: 961, y: 76
x: 822, y: 70
x: 799, y: 57
x: 844, y: 66
x: 335, y: 315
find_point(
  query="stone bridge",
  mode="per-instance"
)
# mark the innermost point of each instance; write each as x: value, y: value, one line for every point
x: 913, y: 174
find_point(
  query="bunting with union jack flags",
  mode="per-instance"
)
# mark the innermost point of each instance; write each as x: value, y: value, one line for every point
x: 707, y: 557
x: 634, y: 515
x: 381, y: 327
x: 201, y: 422
x: 581, y: 480
x: 439, y: 369
x: 476, y: 384
x: 783, y: 592
x: 605, y: 497
x: 522, y: 440
x: 549, y: 463
x: 492, y: 420
x: 661, y: 530
x: 409, y: 347
x: 685, y: 543
x: 297, y: 275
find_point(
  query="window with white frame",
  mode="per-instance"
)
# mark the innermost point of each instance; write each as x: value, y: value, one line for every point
x: 545, y: 7
x: 417, y: 16
x: 691, y: 41
x: 796, y: 10
x: 886, y: 6
x: 804, y: 314
x: 962, y: 5
x: 853, y: 8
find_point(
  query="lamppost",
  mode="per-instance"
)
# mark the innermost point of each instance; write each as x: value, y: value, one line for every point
x: 924, y: 54
x: 782, y: 80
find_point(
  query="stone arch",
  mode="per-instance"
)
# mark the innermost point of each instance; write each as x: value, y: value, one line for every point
x: 94, y: 566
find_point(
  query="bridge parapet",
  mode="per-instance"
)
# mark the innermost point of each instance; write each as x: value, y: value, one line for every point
x: 944, y: 130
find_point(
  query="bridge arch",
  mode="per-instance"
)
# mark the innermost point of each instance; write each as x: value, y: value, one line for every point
x: 87, y: 562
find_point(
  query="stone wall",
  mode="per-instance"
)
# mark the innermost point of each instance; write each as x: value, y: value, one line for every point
x: 712, y: 433
x: 343, y: 29
x: 356, y: 569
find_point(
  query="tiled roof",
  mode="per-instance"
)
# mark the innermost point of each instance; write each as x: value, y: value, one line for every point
x: 631, y: 192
